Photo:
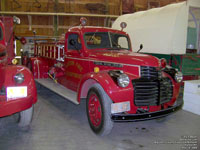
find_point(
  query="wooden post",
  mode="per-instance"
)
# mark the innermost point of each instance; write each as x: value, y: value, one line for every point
x: 3, y: 5
x: 107, y: 12
x: 55, y: 19
x: 107, y: 6
x: 120, y: 5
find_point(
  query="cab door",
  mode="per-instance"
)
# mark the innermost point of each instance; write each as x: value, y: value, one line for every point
x: 75, y: 64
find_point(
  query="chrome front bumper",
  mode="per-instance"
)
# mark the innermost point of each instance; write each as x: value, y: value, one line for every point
x: 146, y: 116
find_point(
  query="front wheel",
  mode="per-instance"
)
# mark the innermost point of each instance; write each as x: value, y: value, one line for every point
x: 25, y: 117
x: 98, y: 106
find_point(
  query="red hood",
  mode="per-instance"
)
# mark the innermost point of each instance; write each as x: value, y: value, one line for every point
x: 124, y: 57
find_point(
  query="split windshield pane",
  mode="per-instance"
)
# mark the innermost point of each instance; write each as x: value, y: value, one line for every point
x: 106, y: 40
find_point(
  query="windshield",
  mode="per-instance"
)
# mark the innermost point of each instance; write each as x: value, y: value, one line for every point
x: 106, y: 40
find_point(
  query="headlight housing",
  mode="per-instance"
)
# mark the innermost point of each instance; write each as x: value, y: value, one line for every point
x: 123, y: 80
x: 19, y: 78
x: 178, y: 76
x: 120, y: 78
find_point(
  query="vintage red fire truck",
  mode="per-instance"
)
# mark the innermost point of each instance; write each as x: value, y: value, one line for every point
x: 17, y: 85
x: 97, y: 65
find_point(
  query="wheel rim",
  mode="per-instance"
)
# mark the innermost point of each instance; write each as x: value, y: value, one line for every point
x: 94, y: 109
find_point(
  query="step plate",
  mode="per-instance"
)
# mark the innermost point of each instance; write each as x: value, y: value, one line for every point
x: 59, y: 89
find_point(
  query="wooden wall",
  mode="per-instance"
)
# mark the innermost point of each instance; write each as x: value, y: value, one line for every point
x: 67, y: 6
x: 50, y: 25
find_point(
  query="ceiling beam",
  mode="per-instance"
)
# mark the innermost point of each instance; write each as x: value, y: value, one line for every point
x: 56, y: 14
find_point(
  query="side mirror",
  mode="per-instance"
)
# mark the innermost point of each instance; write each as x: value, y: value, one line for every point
x: 72, y: 42
x: 16, y: 20
x: 141, y: 47
x: 75, y: 44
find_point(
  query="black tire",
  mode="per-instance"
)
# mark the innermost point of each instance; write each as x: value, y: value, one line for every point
x: 104, y: 125
x: 25, y: 117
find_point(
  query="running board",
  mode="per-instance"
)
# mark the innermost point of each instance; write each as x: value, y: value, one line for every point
x: 59, y: 89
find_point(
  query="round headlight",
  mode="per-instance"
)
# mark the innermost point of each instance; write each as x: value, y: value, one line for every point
x: 178, y: 76
x: 19, y: 78
x: 123, y: 80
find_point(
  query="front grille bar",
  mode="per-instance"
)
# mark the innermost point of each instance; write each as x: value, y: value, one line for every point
x: 152, y: 92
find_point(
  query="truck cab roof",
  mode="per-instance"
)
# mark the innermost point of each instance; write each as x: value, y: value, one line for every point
x: 84, y: 29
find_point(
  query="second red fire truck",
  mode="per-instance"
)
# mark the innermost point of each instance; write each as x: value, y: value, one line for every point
x: 17, y: 86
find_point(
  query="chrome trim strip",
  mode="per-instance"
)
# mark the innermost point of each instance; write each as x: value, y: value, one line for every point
x: 103, y: 61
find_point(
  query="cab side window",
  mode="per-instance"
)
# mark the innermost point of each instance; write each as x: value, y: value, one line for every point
x: 74, y: 42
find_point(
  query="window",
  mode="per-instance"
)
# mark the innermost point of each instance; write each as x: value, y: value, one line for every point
x: 106, y: 40
x: 74, y: 42
x: 97, y: 40
x: 123, y: 42
x: 119, y: 41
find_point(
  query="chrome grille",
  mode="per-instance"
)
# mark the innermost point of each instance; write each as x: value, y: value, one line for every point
x: 166, y: 90
x: 149, y: 72
x: 152, y: 92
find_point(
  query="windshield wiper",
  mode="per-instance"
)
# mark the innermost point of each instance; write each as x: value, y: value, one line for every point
x: 114, y: 48
x: 117, y: 48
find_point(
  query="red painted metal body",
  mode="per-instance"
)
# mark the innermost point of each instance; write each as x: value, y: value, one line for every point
x: 9, y: 37
x: 75, y: 68
x: 9, y: 106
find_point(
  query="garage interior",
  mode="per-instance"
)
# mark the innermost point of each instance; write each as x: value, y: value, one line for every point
x: 59, y: 124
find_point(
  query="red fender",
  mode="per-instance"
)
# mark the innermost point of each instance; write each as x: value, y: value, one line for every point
x: 18, y: 104
x: 116, y: 93
x: 12, y: 70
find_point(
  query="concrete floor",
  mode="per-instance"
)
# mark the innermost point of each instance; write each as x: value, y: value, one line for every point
x: 61, y: 125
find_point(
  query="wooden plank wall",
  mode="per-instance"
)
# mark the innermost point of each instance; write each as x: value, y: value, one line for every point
x: 68, y: 6
x: 45, y: 25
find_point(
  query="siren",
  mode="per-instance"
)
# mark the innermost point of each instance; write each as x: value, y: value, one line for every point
x: 123, y: 25
x: 83, y: 21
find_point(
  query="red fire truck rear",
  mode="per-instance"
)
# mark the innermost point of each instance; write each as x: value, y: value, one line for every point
x: 17, y: 86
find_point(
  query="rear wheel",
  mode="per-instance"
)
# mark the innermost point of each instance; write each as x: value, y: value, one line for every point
x: 25, y: 117
x: 98, y: 106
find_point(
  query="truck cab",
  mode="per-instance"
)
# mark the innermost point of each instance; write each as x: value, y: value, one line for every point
x: 17, y: 87
x: 98, y: 65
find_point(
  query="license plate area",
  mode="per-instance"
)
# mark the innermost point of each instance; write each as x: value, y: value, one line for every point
x: 16, y: 92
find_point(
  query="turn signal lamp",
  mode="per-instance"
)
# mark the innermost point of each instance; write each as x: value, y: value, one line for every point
x: 163, y: 63
x: 96, y: 69
x: 14, y: 61
x: 178, y: 77
x: 83, y: 21
x: 123, y: 25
